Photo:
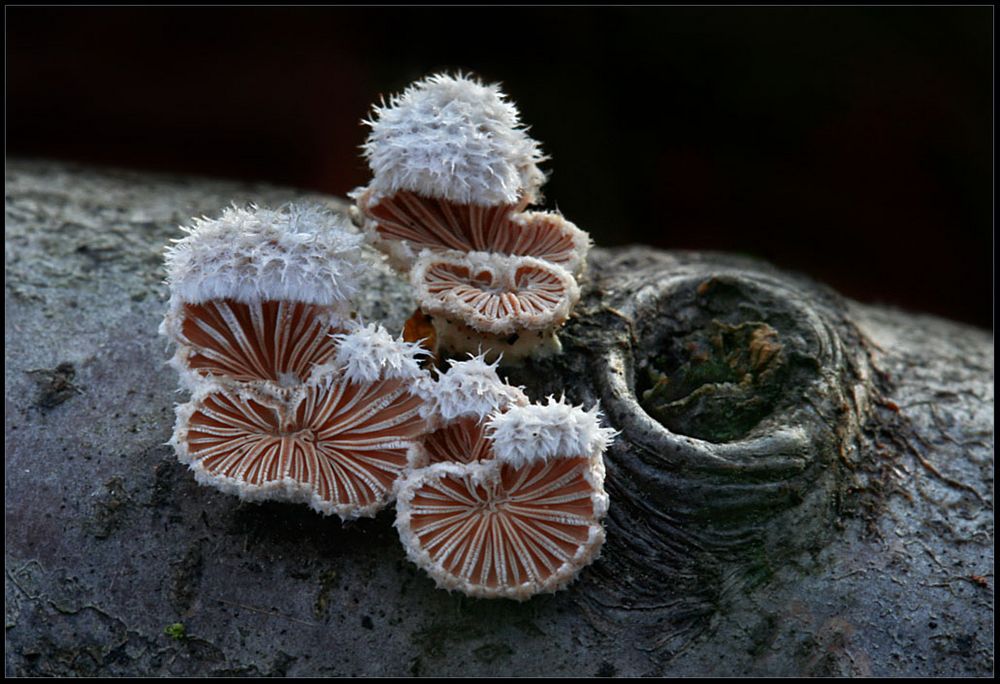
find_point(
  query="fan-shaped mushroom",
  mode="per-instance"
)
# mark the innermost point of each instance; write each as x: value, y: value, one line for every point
x: 516, y: 525
x: 256, y: 293
x: 405, y: 223
x: 509, y: 305
x: 334, y: 444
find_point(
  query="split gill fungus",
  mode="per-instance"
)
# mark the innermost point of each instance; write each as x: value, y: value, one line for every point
x: 517, y: 515
x: 742, y: 398
x: 292, y: 399
x: 453, y: 174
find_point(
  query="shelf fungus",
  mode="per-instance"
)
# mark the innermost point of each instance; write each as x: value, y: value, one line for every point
x: 454, y: 172
x: 523, y: 519
x: 336, y: 445
x: 459, y: 403
x: 256, y: 294
x: 509, y: 305
x: 292, y: 400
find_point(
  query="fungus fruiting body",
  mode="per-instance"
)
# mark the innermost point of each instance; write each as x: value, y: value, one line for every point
x: 459, y: 403
x: 454, y: 172
x: 255, y: 293
x: 455, y: 139
x: 404, y: 224
x: 513, y: 521
x: 333, y: 444
x: 292, y: 399
x: 505, y: 299
x: 278, y: 341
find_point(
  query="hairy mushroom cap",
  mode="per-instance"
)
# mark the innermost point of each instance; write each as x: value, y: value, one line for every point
x: 459, y: 403
x: 494, y: 293
x: 541, y: 432
x: 369, y: 352
x: 256, y: 293
x: 336, y: 445
x: 471, y: 389
x: 295, y: 254
x: 454, y: 138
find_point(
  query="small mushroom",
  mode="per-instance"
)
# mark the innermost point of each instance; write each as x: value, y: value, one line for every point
x: 460, y: 401
x: 256, y: 293
x: 519, y: 524
x: 507, y: 304
x: 335, y: 444
x: 404, y: 224
x: 454, y: 172
x: 369, y: 352
x: 453, y: 138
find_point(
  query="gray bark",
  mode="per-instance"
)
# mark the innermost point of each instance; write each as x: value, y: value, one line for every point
x: 820, y: 504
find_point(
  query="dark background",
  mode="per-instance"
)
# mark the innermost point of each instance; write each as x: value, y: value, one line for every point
x: 852, y: 144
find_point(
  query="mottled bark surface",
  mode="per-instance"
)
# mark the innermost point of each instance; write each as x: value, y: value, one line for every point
x: 821, y: 503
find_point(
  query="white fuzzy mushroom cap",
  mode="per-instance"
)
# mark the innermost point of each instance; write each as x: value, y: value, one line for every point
x: 295, y: 253
x: 454, y: 138
x: 472, y: 389
x: 370, y: 353
x: 539, y: 432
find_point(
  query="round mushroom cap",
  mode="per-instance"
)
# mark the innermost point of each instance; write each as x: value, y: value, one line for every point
x: 541, y: 432
x: 494, y: 293
x: 471, y: 388
x: 455, y: 138
x: 369, y: 353
x: 335, y: 445
x: 492, y: 530
x: 297, y: 253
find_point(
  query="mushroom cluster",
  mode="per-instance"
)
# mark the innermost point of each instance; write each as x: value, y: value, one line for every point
x: 511, y: 500
x: 292, y: 399
x: 453, y: 173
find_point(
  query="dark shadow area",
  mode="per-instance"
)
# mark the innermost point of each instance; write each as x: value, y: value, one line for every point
x: 852, y: 144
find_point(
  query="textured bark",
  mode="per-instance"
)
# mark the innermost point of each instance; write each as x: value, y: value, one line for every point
x: 821, y: 503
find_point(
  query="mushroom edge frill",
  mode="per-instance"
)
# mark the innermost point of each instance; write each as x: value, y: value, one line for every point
x: 241, y: 281
x: 509, y: 305
x: 336, y: 444
x: 571, y: 464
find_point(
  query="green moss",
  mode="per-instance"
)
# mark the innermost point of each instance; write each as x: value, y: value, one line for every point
x: 175, y: 631
x: 717, y: 383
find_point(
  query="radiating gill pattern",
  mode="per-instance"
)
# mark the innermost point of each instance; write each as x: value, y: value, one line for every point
x: 499, y: 300
x: 271, y: 340
x: 462, y: 441
x: 341, y: 444
x: 434, y: 223
x: 504, y: 531
x: 437, y: 224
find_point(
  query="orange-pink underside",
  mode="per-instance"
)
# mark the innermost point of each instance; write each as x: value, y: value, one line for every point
x: 533, y: 290
x: 442, y: 224
x: 519, y: 529
x: 346, y: 442
x: 263, y: 341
